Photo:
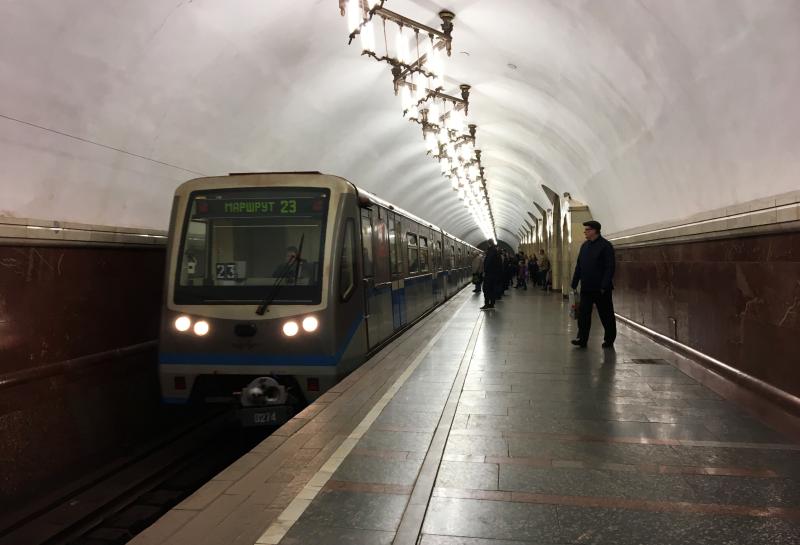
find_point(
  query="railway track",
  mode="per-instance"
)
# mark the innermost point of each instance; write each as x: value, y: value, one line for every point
x: 120, y: 500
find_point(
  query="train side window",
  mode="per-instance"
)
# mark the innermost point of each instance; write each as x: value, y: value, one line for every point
x: 423, y: 254
x: 392, y: 244
x: 413, y: 253
x: 347, y: 273
x: 452, y: 257
x: 437, y: 255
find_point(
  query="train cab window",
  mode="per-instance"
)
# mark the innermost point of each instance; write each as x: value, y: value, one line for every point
x: 423, y: 254
x: 347, y: 273
x: 413, y: 253
x: 392, y: 245
x: 238, y: 244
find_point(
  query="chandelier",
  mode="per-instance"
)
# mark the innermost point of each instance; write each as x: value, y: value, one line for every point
x: 416, y: 54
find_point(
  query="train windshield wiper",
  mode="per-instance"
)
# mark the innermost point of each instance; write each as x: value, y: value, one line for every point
x: 262, y: 308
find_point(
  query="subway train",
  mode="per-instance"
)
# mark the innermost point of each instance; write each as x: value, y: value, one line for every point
x: 280, y: 284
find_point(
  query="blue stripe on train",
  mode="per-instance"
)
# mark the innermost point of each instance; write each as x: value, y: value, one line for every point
x: 260, y: 359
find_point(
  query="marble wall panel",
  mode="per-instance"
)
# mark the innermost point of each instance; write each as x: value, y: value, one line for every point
x: 737, y: 300
x: 62, y: 302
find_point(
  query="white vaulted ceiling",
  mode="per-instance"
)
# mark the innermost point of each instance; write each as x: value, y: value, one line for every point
x: 647, y: 110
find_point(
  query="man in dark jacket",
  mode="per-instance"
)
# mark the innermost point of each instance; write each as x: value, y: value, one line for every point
x: 492, y: 276
x: 595, y: 272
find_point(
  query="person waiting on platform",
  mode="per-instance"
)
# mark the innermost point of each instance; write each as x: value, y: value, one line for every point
x: 522, y: 274
x: 533, y: 270
x: 477, y: 272
x: 492, y: 276
x: 595, y: 273
x: 544, y: 270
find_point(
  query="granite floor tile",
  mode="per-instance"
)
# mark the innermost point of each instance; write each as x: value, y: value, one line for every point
x: 397, y: 418
x: 364, y: 511
x: 783, y: 462
x: 622, y: 527
x: 491, y: 520
x: 595, y: 452
x: 395, y: 440
x: 754, y: 491
x: 423, y: 407
x: 305, y: 534
x: 468, y: 475
x: 370, y: 469
x: 482, y: 408
x: 639, y: 429
x: 476, y: 445
x: 742, y: 430
x: 428, y: 539
x: 596, y: 483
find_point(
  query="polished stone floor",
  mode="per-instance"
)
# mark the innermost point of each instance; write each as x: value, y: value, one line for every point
x: 506, y: 434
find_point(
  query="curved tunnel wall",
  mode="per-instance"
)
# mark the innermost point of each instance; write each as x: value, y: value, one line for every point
x: 647, y: 111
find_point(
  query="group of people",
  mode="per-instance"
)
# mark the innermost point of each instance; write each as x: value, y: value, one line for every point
x: 496, y: 270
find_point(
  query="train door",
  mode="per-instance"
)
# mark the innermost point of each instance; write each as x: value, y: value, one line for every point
x: 452, y: 279
x: 436, y: 260
x: 396, y: 267
x: 381, y: 312
x: 368, y: 278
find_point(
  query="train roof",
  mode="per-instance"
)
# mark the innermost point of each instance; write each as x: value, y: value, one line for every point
x: 386, y: 204
x: 361, y: 192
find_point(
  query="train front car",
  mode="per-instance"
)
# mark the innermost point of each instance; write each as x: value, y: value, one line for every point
x: 254, y: 313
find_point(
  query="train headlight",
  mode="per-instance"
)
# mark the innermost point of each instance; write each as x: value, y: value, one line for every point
x: 201, y: 328
x: 310, y: 324
x: 290, y: 329
x: 183, y: 323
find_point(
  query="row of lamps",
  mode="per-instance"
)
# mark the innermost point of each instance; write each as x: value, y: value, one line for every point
x: 416, y: 54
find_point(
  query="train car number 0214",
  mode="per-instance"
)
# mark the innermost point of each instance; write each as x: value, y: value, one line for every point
x: 266, y: 416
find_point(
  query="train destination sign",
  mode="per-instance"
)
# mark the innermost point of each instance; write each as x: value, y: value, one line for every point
x: 249, y: 207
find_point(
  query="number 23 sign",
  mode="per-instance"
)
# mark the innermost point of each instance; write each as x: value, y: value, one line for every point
x: 226, y: 271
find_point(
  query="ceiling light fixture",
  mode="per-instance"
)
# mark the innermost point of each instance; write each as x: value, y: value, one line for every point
x: 416, y: 55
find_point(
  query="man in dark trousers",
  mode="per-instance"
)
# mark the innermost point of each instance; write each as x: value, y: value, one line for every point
x: 492, y: 276
x: 595, y: 272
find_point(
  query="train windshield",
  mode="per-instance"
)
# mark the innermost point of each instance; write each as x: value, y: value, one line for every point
x: 239, y: 243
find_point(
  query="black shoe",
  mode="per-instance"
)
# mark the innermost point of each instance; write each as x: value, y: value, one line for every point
x: 578, y: 342
x: 487, y: 307
x: 608, y: 344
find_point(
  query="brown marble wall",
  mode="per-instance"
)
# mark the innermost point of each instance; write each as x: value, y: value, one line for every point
x: 65, y: 302
x: 737, y: 300
x: 61, y: 302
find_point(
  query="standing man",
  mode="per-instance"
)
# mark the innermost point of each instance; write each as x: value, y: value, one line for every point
x: 595, y: 272
x: 544, y: 269
x: 477, y: 271
x: 492, y: 276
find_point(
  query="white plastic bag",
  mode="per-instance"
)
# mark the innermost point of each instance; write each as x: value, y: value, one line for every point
x: 574, y: 303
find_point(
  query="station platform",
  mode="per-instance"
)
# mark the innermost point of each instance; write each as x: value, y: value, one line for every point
x: 489, y: 428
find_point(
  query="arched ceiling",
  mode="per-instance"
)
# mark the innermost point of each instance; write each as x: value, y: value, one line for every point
x: 647, y: 110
